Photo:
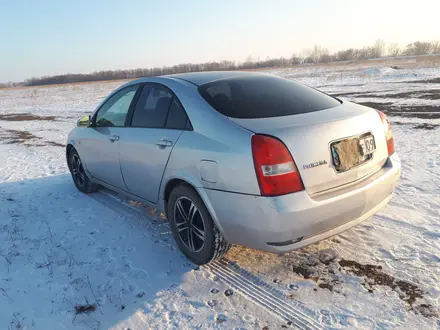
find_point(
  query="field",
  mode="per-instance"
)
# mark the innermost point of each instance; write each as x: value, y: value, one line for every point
x: 71, y: 261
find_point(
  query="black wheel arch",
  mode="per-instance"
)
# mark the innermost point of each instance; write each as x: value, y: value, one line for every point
x: 69, y: 149
x: 170, y: 185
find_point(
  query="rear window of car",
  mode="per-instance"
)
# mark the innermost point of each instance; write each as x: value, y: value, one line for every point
x: 263, y: 97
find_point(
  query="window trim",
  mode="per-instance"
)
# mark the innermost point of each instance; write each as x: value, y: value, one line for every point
x: 129, y: 118
x: 133, y: 102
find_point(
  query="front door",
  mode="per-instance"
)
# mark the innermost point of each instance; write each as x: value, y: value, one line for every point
x: 145, y: 147
x: 101, y: 144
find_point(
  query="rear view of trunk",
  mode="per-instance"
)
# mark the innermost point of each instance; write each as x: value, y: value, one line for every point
x: 331, y: 148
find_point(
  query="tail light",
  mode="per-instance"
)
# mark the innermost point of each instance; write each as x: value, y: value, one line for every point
x: 276, y: 171
x: 388, y: 133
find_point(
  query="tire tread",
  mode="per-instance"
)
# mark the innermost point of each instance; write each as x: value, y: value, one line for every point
x: 220, y: 246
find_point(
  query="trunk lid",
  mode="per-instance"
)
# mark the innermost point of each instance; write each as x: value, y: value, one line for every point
x: 309, y: 138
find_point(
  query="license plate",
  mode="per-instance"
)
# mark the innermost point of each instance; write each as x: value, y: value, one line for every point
x: 367, y: 144
x: 353, y: 152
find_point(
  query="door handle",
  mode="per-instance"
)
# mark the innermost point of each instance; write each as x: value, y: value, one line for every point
x: 113, y: 138
x: 163, y: 143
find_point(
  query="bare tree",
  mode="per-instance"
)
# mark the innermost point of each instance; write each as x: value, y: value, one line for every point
x: 316, y: 53
x: 325, y: 57
x: 418, y: 48
x: 394, y: 49
x: 345, y: 55
x: 378, y: 49
x: 304, y: 55
x: 248, y: 63
x: 435, y: 47
x: 363, y: 53
x: 295, y: 59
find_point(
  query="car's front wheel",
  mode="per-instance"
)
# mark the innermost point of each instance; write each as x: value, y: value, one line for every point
x: 79, y: 176
x: 193, y: 228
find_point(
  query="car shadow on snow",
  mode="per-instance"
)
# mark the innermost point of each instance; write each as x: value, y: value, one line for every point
x: 67, y: 260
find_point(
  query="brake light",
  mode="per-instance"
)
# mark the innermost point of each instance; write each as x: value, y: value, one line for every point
x: 388, y: 133
x: 276, y: 171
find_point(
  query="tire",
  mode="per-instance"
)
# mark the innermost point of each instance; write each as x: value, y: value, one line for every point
x: 79, y: 176
x: 214, y: 245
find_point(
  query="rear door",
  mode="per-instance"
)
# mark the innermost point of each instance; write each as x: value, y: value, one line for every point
x: 157, y: 122
x: 99, y: 147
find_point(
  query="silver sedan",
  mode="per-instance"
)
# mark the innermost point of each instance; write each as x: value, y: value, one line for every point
x: 238, y: 158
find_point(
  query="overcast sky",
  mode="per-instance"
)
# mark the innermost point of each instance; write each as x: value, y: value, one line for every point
x: 45, y: 37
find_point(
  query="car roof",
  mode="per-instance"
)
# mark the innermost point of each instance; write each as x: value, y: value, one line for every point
x: 201, y: 78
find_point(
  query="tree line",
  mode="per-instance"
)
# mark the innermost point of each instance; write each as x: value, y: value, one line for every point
x: 314, y: 55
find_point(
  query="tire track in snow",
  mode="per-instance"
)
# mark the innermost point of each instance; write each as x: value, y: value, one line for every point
x: 247, y: 284
x: 263, y: 294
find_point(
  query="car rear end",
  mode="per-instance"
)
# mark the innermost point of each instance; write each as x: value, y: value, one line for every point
x: 322, y: 165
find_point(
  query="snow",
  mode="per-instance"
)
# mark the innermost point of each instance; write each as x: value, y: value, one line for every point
x: 60, y: 248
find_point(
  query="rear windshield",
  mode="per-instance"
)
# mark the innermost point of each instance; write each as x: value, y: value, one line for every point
x: 264, y: 96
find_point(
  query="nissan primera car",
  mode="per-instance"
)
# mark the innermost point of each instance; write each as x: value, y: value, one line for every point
x: 238, y: 158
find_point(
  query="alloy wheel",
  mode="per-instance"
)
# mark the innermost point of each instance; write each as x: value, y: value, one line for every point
x: 78, y: 171
x: 189, y: 223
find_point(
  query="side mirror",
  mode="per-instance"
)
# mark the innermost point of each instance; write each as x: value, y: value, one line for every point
x: 83, y: 122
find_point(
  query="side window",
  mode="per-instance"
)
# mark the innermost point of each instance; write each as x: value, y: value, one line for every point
x: 177, y: 118
x: 114, y: 111
x: 152, y: 107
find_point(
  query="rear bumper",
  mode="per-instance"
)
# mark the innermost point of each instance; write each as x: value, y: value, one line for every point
x: 285, y: 223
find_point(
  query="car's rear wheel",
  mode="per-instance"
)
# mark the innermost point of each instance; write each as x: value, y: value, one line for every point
x: 79, y: 176
x: 193, y: 228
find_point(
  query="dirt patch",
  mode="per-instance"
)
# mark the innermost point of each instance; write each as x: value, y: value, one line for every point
x: 410, y: 111
x: 433, y: 94
x: 349, y: 93
x: 378, y: 105
x: 426, y: 126
x: 423, y: 126
x: 11, y: 136
x: 54, y: 144
x: 376, y: 276
x: 317, y: 267
x: 419, y: 115
x: 426, y: 310
x: 425, y: 95
x: 327, y: 285
x: 327, y: 270
x: 80, y: 309
x: 25, y: 117
x: 303, y: 270
x: 422, y: 112
x: 425, y: 81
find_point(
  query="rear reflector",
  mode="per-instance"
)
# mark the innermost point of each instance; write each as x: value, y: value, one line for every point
x: 388, y: 133
x: 274, y: 166
x: 277, y: 169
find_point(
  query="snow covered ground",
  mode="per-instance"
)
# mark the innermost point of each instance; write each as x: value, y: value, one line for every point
x: 71, y: 261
